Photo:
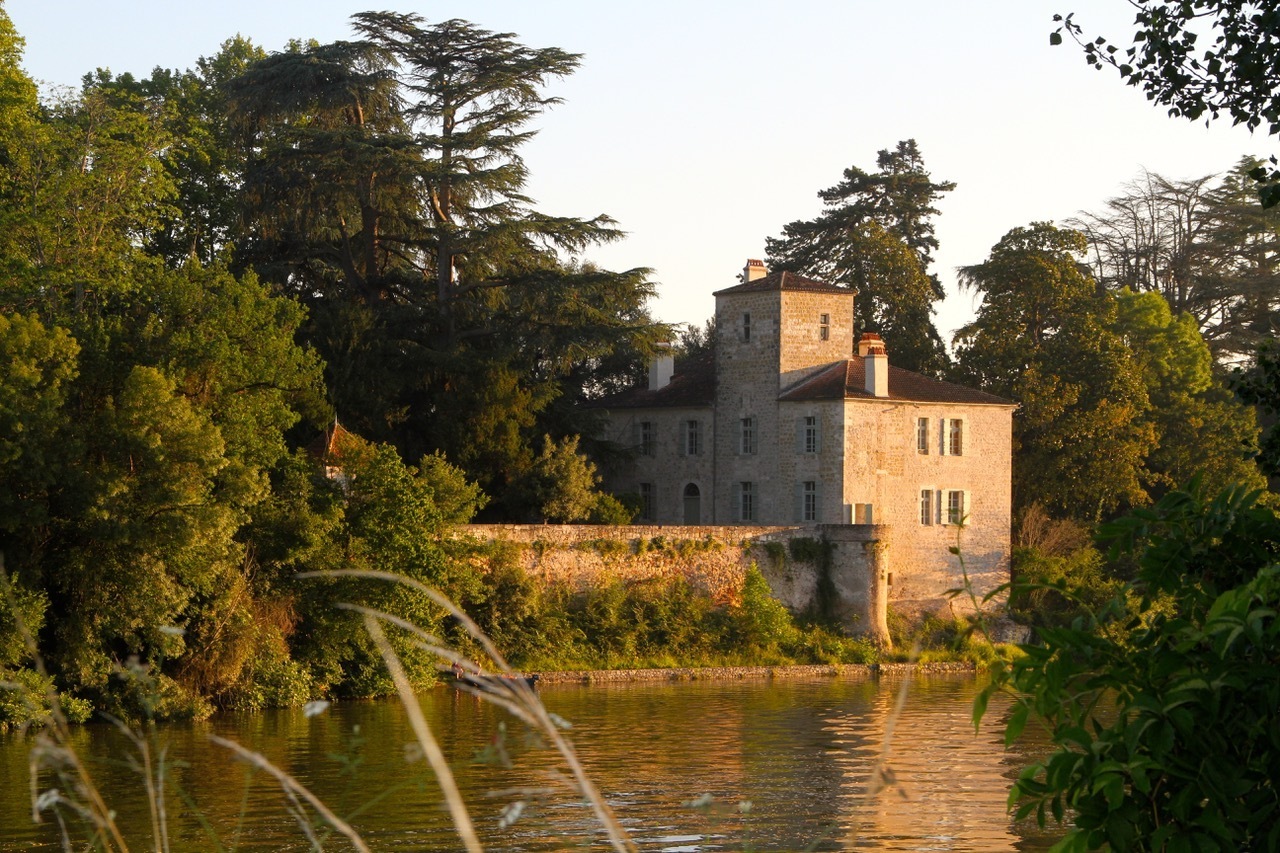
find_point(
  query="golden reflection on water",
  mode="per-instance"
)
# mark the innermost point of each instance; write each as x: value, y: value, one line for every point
x: 776, y: 765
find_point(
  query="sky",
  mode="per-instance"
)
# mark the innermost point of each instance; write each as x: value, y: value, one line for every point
x: 705, y: 127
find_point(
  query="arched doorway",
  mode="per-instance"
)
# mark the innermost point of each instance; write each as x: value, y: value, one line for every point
x: 692, y: 505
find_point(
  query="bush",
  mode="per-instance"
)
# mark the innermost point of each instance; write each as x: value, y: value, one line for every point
x: 24, y: 700
x: 1051, y: 591
x: 1162, y: 704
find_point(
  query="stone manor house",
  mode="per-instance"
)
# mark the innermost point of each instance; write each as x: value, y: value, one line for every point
x: 791, y: 423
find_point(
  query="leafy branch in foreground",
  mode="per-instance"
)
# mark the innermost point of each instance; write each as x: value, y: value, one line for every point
x: 1161, y: 705
x: 1233, y: 70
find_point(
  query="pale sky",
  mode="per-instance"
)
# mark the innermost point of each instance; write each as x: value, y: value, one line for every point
x: 704, y: 127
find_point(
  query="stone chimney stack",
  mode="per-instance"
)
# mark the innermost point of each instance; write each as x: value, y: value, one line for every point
x: 753, y: 270
x: 875, y: 364
x: 661, y: 367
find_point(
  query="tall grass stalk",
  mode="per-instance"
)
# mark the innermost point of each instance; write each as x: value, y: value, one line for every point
x: 511, y: 693
x: 294, y: 789
x: 431, y: 749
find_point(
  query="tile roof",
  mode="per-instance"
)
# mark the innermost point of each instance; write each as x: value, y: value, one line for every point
x: 783, y: 280
x: 847, y: 380
x: 693, y: 385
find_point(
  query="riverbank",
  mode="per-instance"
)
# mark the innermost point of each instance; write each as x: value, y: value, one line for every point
x: 739, y: 673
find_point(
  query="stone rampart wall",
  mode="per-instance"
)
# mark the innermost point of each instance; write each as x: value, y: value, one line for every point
x: 714, y: 559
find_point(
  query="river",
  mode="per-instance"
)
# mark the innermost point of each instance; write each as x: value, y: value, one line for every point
x: 772, y: 765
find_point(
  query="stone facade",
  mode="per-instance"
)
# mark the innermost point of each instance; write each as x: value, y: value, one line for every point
x: 795, y: 424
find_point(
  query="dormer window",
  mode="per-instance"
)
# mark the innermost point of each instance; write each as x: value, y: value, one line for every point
x: 824, y: 327
x: 746, y: 327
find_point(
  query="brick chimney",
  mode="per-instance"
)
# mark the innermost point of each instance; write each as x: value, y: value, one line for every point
x: 753, y: 270
x: 875, y: 364
x: 661, y: 367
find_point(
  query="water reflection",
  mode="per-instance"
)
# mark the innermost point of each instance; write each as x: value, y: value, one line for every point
x: 700, y: 766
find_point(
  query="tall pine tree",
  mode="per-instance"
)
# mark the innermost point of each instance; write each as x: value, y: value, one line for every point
x: 876, y: 236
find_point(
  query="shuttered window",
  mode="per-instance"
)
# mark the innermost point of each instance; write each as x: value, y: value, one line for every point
x: 955, y: 437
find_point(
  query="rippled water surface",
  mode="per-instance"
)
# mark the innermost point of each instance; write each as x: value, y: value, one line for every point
x: 786, y: 765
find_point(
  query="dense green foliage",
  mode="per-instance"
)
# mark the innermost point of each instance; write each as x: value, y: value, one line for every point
x: 1161, y: 700
x: 1118, y: 401
x: 184, y: 300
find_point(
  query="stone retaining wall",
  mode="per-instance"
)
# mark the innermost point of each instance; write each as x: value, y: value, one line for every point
x: 842, y: 571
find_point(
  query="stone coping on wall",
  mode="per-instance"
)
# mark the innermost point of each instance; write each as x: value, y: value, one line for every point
x: 573, y: 533
x: 742, y: 673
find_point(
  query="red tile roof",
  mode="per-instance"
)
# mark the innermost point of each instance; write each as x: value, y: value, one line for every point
x: 783, y: 280
x: 847, y: 380
x: 695, y: 385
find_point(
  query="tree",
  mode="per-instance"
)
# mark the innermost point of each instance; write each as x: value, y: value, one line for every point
x: 1205, y: 247
x: 1042, y: 338
x: 562, y: 482
x: 875, y: 235
x: 1237, y: 74
x: 386, y: 191
x: 1201, y: 430
x: 1118, y: 398
x: 202, y: 160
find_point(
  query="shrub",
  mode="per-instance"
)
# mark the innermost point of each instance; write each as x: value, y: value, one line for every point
x: 1161, y: 705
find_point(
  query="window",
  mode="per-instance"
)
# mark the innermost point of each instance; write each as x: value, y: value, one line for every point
x: 955, y: 507
x: 809, y: 501
x: 810, y: 434
x: 955, y: 437
x: 646, y: 438
x: 746, y: 501
x: 646, y: 501
x: 824, y: 326
x: 926, y: 506
x: 692, y: 438
x: 748, y: 436
x: 922, y: 435
x: 746, y: 327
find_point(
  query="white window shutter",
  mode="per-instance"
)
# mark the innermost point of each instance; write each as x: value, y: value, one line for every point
x: 800, y: 434
x: 817, y: 435
x: 800, y: 502
x: 736, y: 512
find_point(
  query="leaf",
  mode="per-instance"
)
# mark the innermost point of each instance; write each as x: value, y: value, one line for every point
x: 1055, y: 38
x: 1017, y: 722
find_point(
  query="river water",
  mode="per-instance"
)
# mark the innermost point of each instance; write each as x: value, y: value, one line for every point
x: 771, y: 764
